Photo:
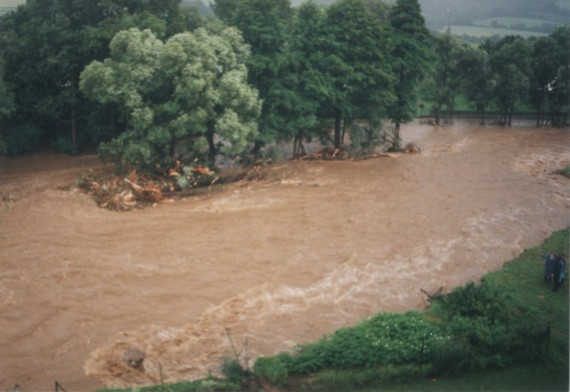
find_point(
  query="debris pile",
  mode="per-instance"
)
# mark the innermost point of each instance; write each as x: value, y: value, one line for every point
x: 326, y: 154
x: 122, y: 193
x: 412, y: 148
x: 137, y: 191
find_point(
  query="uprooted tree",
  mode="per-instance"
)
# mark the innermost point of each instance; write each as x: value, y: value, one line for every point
x: 185, y: 99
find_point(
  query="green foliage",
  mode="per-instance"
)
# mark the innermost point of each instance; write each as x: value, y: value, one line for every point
x: 21, y: 139
x: 510, y: 63
x: 45, y: 46
x: 273, y: 369
x: 412, y: 57
x: 6, y: 95
x: 565, y: 172
x: 185, y: 99
x: 448, y: 75
x: 364, y: 139
x: 451, y: 357
x: 385, y: 339
x: 495, y: 328
x: 233, y: 371
x: 356, y: 79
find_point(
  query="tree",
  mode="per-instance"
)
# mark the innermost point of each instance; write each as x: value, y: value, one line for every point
x: 448, y: 75
x: 510, y: 63
x: 543, y: 66
x: 185, y: 99
x: 45, y: 46
x: 355, y: 78
x: 6, y: 105
x: 478, y: 85
x: 411, y: 59
x: 265, y: 27
x: 301, y: 121
x: 558, y: 89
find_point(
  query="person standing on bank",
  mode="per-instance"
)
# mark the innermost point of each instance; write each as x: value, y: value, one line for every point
x: 559, y: 266
x: 549, y: 261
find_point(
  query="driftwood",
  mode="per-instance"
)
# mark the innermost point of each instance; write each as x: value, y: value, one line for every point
x: 121, y: 194
x: 434, y: 295
x: 326, y: 154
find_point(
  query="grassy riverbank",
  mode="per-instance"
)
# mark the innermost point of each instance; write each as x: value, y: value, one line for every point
x: 509, y: 333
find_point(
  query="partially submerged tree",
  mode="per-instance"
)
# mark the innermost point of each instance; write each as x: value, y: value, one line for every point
x: 185, y: 99
x: 510, y: 63
x: 6, y: 105
x: 355, y: 77
x: 448, y: 75
x: 479, y: 84
x: 265, y: 27
x: 412, y: 60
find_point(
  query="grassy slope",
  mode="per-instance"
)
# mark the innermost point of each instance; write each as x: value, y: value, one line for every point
x: 522, y: 278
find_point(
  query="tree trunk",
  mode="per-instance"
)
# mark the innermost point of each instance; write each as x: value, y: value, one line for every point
x: 397, y: 142
x: 483, y: 115
x: 73, y: 129
x: 298, y: 147
x: 337, y: 129
x: 212, y: 151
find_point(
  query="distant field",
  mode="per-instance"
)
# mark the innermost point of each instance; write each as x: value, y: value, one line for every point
x: 4, y: 10
x: 480, y: 31
x: 11, y: 3
x: 509, y: 22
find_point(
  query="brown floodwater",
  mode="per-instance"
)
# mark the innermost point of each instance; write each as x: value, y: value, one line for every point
x: 315, y: 246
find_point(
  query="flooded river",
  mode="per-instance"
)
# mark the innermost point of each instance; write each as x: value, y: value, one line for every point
x: 313, y: 247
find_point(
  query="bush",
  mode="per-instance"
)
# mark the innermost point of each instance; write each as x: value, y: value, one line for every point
x: 364, y: 139
x: 450, y: 357
x: 493, y: 327
x: 64, y: 145
x: 233, y: 371
x: 21, y: 139
x: 385, y: 339
x: 272, y: 369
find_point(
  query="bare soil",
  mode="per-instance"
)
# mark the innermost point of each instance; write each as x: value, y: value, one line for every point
x: 315, y: 246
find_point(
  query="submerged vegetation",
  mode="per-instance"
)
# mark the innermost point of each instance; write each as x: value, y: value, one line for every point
x: 507, y: 332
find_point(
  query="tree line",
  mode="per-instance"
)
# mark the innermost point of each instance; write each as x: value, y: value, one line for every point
x: 150, y: 83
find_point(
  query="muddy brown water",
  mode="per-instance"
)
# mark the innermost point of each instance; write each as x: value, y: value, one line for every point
x: 314, y: 247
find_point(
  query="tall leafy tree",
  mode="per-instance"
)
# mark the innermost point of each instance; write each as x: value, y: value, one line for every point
x: 411, y: 59
x: 544, y: 66
x: 6, y: 105
x: 306, y: 45
x: 448, y: 75
x: 185, y: 99
x: 478, y: 85
x: 265, y: 27
x: 559, y: 87
x: 510, y: 64
x: 355, y: 78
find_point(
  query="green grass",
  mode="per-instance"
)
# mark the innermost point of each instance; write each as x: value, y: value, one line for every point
x: 485, y: 32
